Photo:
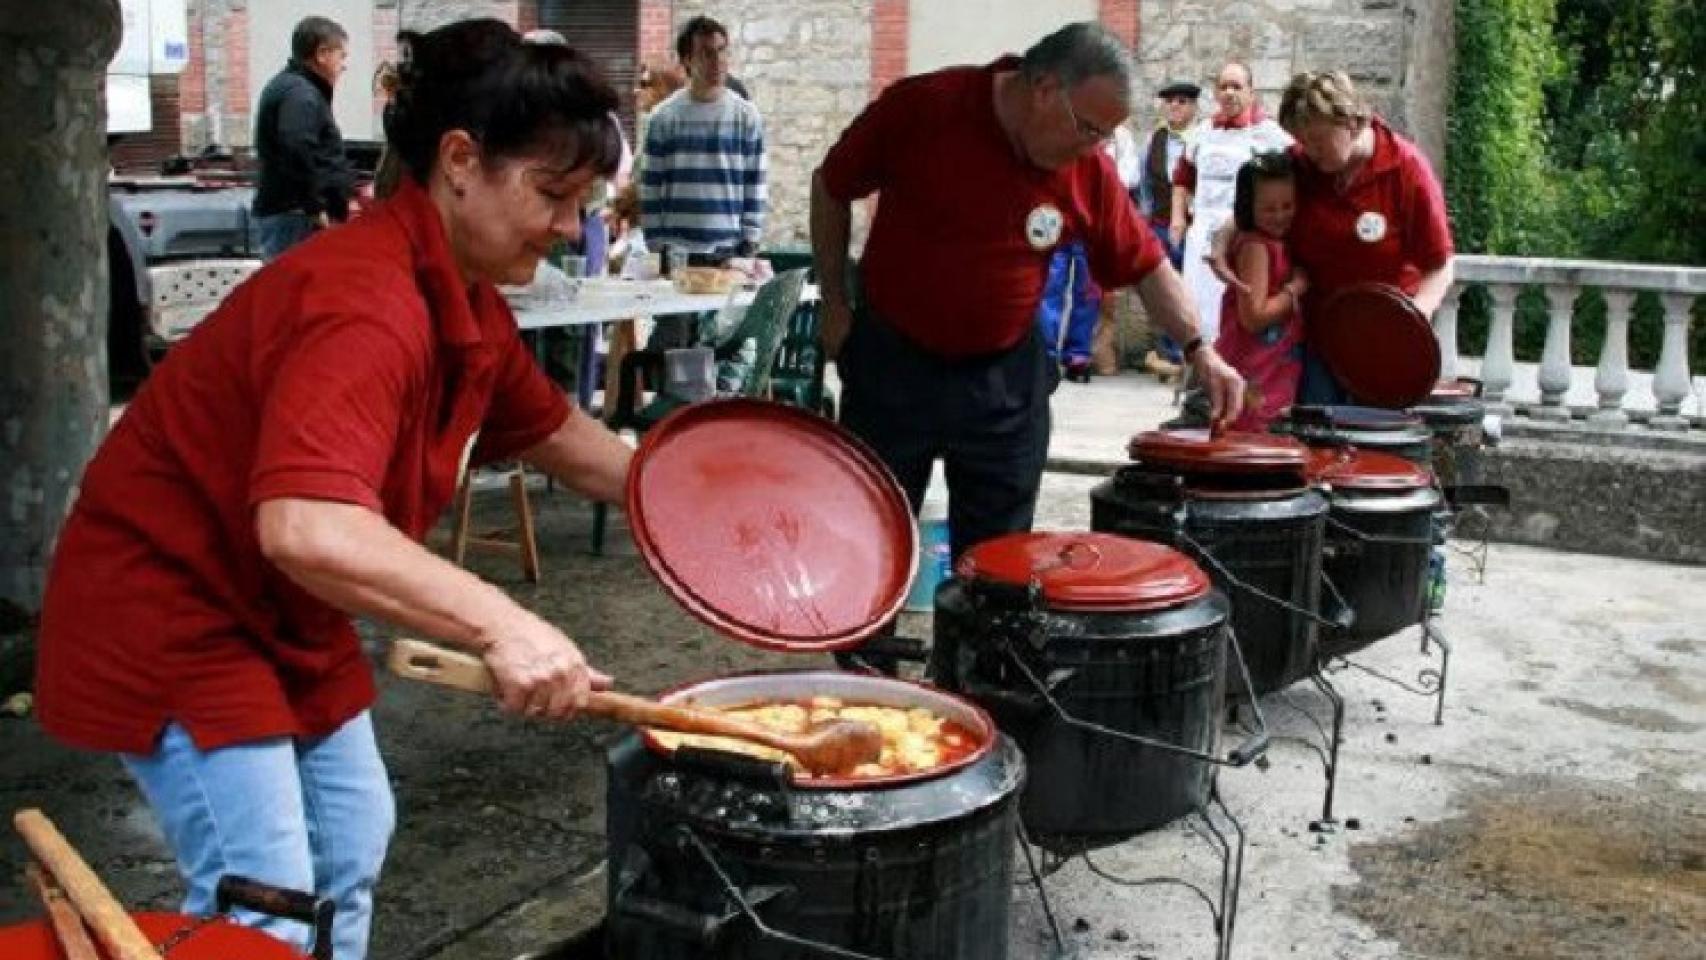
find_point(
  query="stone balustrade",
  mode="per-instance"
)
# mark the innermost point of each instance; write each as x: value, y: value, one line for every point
x: 1561, y: 282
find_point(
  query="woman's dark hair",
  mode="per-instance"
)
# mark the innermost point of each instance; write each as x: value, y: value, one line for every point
x: 1263, y: 166
x: 697, y: 27
x: 514, y: 98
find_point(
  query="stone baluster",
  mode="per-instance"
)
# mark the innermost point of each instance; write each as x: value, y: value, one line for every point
x: 1555, y: 359
x: 1445, y: 331
x: 1611, y: 378
x: 1499, y: 365
x: 1670, y: 378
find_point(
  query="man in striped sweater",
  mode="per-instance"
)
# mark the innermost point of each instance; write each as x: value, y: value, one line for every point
x: 703, y: 185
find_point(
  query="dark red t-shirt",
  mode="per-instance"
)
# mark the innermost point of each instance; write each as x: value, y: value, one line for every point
x: 1388, y: 226
x: 960, y: 247
x: 353, y: 369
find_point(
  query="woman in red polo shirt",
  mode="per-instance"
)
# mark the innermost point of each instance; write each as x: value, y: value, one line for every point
x: 276, y: 475
x: 1369, y: 209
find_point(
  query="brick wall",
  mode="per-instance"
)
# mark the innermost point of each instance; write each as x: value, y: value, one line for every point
x: 888, y: 42
x: 1120, y: 17
x: 235, y: 92
x: 657, y: 32
x: 386, y: 23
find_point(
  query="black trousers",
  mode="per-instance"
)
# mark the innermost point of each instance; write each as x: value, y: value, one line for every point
x: 985, y: 417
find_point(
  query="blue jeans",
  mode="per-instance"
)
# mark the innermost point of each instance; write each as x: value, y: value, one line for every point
x: 302, y: 814
x: 281, y: 231
x: 1318, y: 386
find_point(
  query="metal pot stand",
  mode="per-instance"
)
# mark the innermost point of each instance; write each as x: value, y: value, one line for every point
x: 1018, y: 615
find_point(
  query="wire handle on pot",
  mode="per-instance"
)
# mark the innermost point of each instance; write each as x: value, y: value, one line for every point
x: 1249, y: 588
x: 1252, y: 747
x: 739, y: 898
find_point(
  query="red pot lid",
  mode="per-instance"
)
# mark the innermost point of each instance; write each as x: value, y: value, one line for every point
x: 1090, y: 571
x: 218, y: 940
x: 1377, y: 344
x: 772, y: 525
x: 1355, y: 469
x: 1200, y: 451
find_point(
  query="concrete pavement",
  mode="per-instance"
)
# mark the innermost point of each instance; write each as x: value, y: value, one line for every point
x: 1556, y: 814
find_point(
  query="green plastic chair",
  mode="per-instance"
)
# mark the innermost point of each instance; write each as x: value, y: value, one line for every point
x: 798, y: 377
x: 765, y: 324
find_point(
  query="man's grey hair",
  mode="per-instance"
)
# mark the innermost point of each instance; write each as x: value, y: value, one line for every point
x: 1077, y: 52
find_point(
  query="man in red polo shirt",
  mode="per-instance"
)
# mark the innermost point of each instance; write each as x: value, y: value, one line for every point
x: 984, y: 172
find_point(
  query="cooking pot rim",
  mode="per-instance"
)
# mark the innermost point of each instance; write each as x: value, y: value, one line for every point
x: 959, y: 709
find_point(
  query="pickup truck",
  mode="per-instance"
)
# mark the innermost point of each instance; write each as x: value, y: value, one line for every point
x: 176, y: 244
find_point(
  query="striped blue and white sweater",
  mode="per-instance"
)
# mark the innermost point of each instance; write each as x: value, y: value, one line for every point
x: 702, y: 184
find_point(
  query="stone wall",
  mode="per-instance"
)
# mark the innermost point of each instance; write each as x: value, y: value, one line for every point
x: 807, y: 66
x: 1575, y: 490
x: 1393, y: 49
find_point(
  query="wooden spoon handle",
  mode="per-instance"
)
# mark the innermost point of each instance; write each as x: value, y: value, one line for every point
x: 123, y: 939
x: 68, y: 929
x: 434, y: 664
x: 431, y: 663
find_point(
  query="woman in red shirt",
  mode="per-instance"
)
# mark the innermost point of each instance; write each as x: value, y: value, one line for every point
x: 276, y: 475
x: 1369, y: 209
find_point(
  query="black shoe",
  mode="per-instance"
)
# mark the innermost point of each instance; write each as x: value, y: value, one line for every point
x: 1078, y: 372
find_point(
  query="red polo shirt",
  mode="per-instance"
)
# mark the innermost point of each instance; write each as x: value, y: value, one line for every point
x: 1388, y: 226
x: 353, y: 369
x: 960, y: 247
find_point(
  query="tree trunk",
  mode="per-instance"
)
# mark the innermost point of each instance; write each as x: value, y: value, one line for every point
x: 53, y: 275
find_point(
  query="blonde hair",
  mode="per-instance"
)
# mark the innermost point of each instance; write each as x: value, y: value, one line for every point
x: 1322, y: 95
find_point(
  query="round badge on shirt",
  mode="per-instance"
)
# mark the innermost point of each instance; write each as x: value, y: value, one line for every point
x: 1371, y: 227
x: 1043, y: 226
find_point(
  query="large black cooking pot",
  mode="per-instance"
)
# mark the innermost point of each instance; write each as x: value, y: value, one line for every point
x: 1380, y: 530
x: 1105, y: 658
x: 1239, y: 506
x: 1454, y: 415
x: 713, y: 855
x: 1397, y: 432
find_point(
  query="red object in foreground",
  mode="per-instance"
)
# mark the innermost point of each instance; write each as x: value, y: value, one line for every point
x: 1355, y: 469
x: 1378, y: 345
x: 773, y: 525
x: 1200, y: 451
x: 216, y: 939
x: 1090, y: 571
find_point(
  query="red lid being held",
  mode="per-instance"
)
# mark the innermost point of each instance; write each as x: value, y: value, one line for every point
x: 1200, y: 451
x: 1354, y: 469
x: 1089, y: 571
x: 773, y: 525
x: 1377, y: 344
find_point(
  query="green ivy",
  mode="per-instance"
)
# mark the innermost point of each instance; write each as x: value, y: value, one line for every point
x: 1577, y: 128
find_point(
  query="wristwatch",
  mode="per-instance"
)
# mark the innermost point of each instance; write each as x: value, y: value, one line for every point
x: 1191, y: 347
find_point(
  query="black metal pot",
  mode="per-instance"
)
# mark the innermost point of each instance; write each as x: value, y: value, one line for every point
x: 1258, y: 536
x: 1458, y: 437
x: 713, y: 855
x: 1118, y: 712
x: 1366, y: 428
x: 1380, y: 530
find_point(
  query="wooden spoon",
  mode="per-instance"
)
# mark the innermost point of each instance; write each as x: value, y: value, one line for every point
x: 834, y: 747
x: 118, y: 933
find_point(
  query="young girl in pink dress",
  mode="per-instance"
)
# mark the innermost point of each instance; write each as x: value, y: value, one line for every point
x: 1261, y: 330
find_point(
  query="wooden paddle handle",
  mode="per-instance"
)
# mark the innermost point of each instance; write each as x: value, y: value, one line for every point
x: 430, y: 663
x: 118, y: 933
x: 68, y: 929
x: 450, y: 668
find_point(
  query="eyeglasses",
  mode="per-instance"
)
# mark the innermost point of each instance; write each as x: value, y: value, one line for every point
x: 1088, y: 131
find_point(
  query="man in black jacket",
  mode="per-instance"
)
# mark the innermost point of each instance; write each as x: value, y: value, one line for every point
x: 305, y: 179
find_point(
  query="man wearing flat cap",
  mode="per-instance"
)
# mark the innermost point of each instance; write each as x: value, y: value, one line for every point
x: 1155, y: 191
